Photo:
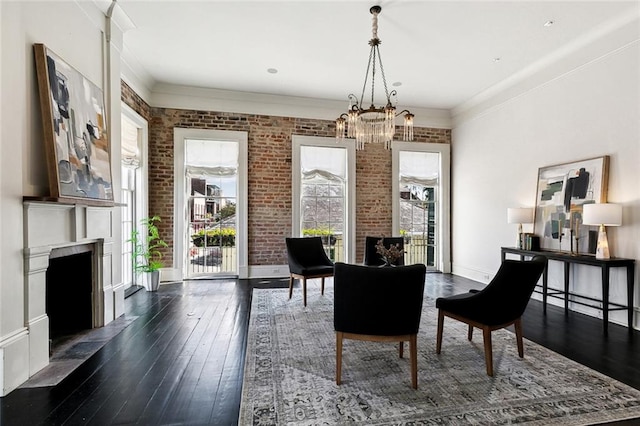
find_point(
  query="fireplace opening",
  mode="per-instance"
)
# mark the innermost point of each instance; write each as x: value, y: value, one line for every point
x: 69, y: 292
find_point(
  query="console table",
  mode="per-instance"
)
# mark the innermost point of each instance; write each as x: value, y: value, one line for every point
x: 604, y: 264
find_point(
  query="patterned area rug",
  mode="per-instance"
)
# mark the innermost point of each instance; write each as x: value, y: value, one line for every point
x: 289, y: 376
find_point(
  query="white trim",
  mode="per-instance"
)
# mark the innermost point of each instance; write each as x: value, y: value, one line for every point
x: 620, y: 32
x: 268, y: 271
x: 350, y: 209
x: 143, y: 178
x: 141, y: 209
x: 473, y: 274
x: 180, y: 205
x: 444, y: 211
x: 14, y: 336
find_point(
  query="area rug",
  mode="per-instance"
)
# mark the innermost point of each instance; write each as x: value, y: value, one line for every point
x: 289, y: 376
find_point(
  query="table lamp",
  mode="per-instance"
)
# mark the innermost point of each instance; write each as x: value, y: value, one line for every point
x: 603, y: 214
x: 519, y: 215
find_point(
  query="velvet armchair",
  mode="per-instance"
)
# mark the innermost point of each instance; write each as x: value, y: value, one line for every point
x: 378, y: 304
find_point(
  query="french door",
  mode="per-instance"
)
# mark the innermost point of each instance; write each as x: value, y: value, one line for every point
x: 210, y: 227
x: 421, y: 202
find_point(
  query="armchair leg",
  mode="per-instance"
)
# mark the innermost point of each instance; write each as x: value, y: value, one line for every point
x: 322, y: 287
x: 304, y: 290
x: 401, y: 349
x: 488, y: 352
x: 413, y: 350
x: 470, y: 333
x: 290, y: 286
x: 339, y: 336
x: 439, y: 332
x: 518, y: 326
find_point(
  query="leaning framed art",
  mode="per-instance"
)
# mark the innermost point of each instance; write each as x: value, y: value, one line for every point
x: 75, y: 130
x: 561, y: 192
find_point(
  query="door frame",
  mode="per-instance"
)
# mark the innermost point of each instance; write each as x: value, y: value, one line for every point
x: 180, y: 207
x: 443, y: 243
x: 141, y: 209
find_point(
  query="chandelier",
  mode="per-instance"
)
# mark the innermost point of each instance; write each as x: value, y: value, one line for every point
x: 373, y: 125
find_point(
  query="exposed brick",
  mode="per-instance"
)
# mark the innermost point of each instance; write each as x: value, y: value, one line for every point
x: 269, y: 169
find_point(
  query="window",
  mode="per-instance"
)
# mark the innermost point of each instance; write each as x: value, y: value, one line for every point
x: 323, y: 187
x: 421, y: 202
x: 134, y: 131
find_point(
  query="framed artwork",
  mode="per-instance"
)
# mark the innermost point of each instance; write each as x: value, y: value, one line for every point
x: 562, y: 191
x: 75, y: 130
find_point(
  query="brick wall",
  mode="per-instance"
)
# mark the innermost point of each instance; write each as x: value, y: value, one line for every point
x: 131, y: 98
x: 269, y: 156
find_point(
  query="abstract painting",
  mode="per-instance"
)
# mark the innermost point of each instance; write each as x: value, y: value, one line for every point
x: 562, y: 191
x: 75, y: 130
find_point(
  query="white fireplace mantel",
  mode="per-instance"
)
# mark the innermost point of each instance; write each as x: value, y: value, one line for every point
x: 51, y: 225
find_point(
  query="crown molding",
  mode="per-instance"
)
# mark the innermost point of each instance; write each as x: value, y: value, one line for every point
x: 616, y: 34
x: 195, y: 98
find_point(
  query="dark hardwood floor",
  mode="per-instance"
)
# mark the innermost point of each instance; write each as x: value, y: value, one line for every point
x: 181, y: 361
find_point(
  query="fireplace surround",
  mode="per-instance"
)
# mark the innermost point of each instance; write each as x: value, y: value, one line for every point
x: 66, y: 229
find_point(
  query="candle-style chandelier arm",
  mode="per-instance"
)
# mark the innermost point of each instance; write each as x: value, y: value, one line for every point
x: 390, y: 95
x: 353, y: 102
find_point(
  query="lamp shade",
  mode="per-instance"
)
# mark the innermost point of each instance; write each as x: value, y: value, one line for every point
x: 519, y: 215
x: 602, y: 214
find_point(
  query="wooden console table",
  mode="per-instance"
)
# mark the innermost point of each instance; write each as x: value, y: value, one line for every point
x: 604, y: 264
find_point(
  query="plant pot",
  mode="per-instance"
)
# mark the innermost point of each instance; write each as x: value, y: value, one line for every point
x: 151, y: 280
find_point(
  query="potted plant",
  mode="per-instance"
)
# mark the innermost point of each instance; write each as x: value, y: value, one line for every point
x: 147, y: 258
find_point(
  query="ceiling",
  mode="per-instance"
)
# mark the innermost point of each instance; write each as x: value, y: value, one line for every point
x: 436, y: 54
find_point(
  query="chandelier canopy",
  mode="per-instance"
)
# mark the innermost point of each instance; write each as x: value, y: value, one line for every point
x: 373, y: 124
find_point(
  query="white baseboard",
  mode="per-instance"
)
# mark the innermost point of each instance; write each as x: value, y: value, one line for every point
x: 269, y: 271
x: 170, y: 274
x: 14, y: 360
x: 472, y: 274
x: 255, y: 271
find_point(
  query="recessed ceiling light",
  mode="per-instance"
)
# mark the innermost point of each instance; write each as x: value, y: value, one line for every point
x: 397, y: 84
x: 548, y: 23
x: 272, y: 71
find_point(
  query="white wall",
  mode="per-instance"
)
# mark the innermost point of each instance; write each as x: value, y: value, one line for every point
x: 74, y: 31
x: 588, y: 107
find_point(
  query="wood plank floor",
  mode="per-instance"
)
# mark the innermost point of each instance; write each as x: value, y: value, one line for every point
x: 181, y: 361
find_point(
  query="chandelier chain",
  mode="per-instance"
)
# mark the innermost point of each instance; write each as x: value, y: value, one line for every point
x: 366, y: 77
x: 384, y: 80
x: 373, y: 76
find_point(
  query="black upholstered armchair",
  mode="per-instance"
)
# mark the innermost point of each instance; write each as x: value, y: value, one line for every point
x: 371, y: 256
x: 378, y: 304
x: 500, y: 304
x: 307, y: 259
